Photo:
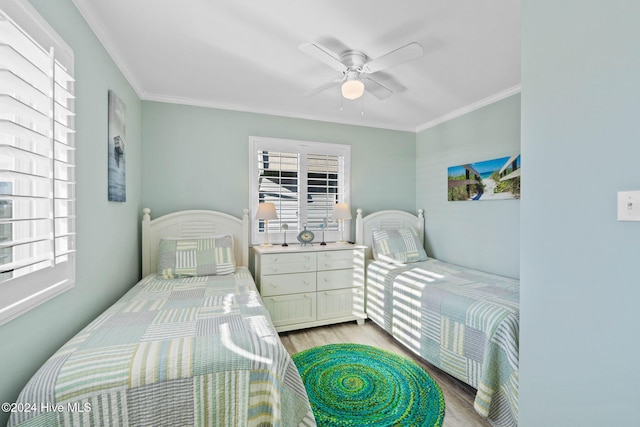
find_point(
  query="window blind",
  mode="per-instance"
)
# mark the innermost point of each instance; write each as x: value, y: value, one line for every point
x: 304, y: 180
x: 278, y: 183
x: 37, y: 155
x: 325, y: 175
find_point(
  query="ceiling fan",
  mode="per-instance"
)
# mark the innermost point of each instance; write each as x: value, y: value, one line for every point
x: 356, y: 68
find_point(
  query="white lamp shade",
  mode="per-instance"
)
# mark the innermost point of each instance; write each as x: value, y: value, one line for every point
x: 352, y: 89
x: 341, y: 211
x: 266, y: 210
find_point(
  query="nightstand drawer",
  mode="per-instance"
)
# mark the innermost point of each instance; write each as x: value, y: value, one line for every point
x: 281, y: 284
x: 291, y: 309
x: 339, y: 303
x: 339, y: 279
x: 335, y: 255
x: 336, y: 264
x: 289, y: 258
x: 292, y: 267
x: 334, y: 260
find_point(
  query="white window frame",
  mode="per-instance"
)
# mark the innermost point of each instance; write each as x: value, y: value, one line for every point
x: 303, y: 148
x: 20, y: 294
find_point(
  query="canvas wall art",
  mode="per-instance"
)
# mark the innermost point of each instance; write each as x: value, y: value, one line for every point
x: 116, y: 151
x: 496, y: 179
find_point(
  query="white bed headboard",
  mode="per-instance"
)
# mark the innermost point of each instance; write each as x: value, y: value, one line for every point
x: 386, y: 220
x: 192, y: 223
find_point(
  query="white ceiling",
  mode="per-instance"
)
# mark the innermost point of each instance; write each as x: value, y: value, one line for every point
x: 243, y: 54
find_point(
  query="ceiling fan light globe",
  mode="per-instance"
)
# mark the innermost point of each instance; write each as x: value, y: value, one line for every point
x: 352, y: 89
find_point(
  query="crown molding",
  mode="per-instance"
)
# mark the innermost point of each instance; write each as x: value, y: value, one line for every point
x: 270, y: 112
x: 248, y: 109
x: 90, y: 17
x: 469, y: 108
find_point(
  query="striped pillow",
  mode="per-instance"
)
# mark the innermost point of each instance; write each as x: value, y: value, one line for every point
x: 203, y: 256
x: 400, y: 245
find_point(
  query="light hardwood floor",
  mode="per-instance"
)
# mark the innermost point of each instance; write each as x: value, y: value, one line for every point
x: 458, y: 397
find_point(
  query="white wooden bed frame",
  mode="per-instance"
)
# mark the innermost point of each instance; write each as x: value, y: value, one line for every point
x: 393, y: 219
x: 386, y: 220
x: 192, y: 223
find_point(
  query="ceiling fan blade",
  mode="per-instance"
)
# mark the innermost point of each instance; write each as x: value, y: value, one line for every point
x: 402, y: 54
x: 323, y: 54
x: 323, y: 87
x: 376, y: 89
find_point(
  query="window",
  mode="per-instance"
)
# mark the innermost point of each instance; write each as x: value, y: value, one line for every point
x: 303, y: 180
x: 37, y: 161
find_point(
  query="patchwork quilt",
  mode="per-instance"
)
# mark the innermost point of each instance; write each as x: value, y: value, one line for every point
x: 198, y: 351
x: 463, y: 321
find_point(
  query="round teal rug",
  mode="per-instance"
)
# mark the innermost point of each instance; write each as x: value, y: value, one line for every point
x: 358, y: 385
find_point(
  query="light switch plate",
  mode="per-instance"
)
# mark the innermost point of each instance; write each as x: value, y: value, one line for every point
x: 628, y: 205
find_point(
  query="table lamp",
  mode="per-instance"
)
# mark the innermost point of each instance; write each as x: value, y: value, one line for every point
x: 266, y: 211
x: 341, y: 212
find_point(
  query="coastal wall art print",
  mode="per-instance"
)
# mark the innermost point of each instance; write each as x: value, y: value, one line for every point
x: 116, y: 154
x: 497, y: 179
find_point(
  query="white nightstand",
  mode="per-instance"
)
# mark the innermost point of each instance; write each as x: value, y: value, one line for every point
x: 313, y: 285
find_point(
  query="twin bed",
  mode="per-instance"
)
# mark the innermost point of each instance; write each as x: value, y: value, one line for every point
x: 193, y: 344
x: 195, y: 350
x: 463, y: 321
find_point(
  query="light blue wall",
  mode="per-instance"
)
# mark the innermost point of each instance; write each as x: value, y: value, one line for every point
x: 484, y: 234
x: 197, y: 158
x: 107, y: 233
x: 580, y: 267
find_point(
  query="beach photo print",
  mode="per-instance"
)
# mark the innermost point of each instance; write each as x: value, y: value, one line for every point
x: 497, y: 179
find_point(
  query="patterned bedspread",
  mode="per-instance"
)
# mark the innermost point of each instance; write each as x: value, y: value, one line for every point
x: 463, y: 321
x: 180, y: 352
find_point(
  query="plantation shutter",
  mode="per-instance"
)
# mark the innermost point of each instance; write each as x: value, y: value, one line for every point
x: 304, y: 180
x: 37, y: 155
x: 325, y: 173
x: 278, y: 175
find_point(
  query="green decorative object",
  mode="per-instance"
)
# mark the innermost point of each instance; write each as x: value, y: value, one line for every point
x: 360, y: 385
